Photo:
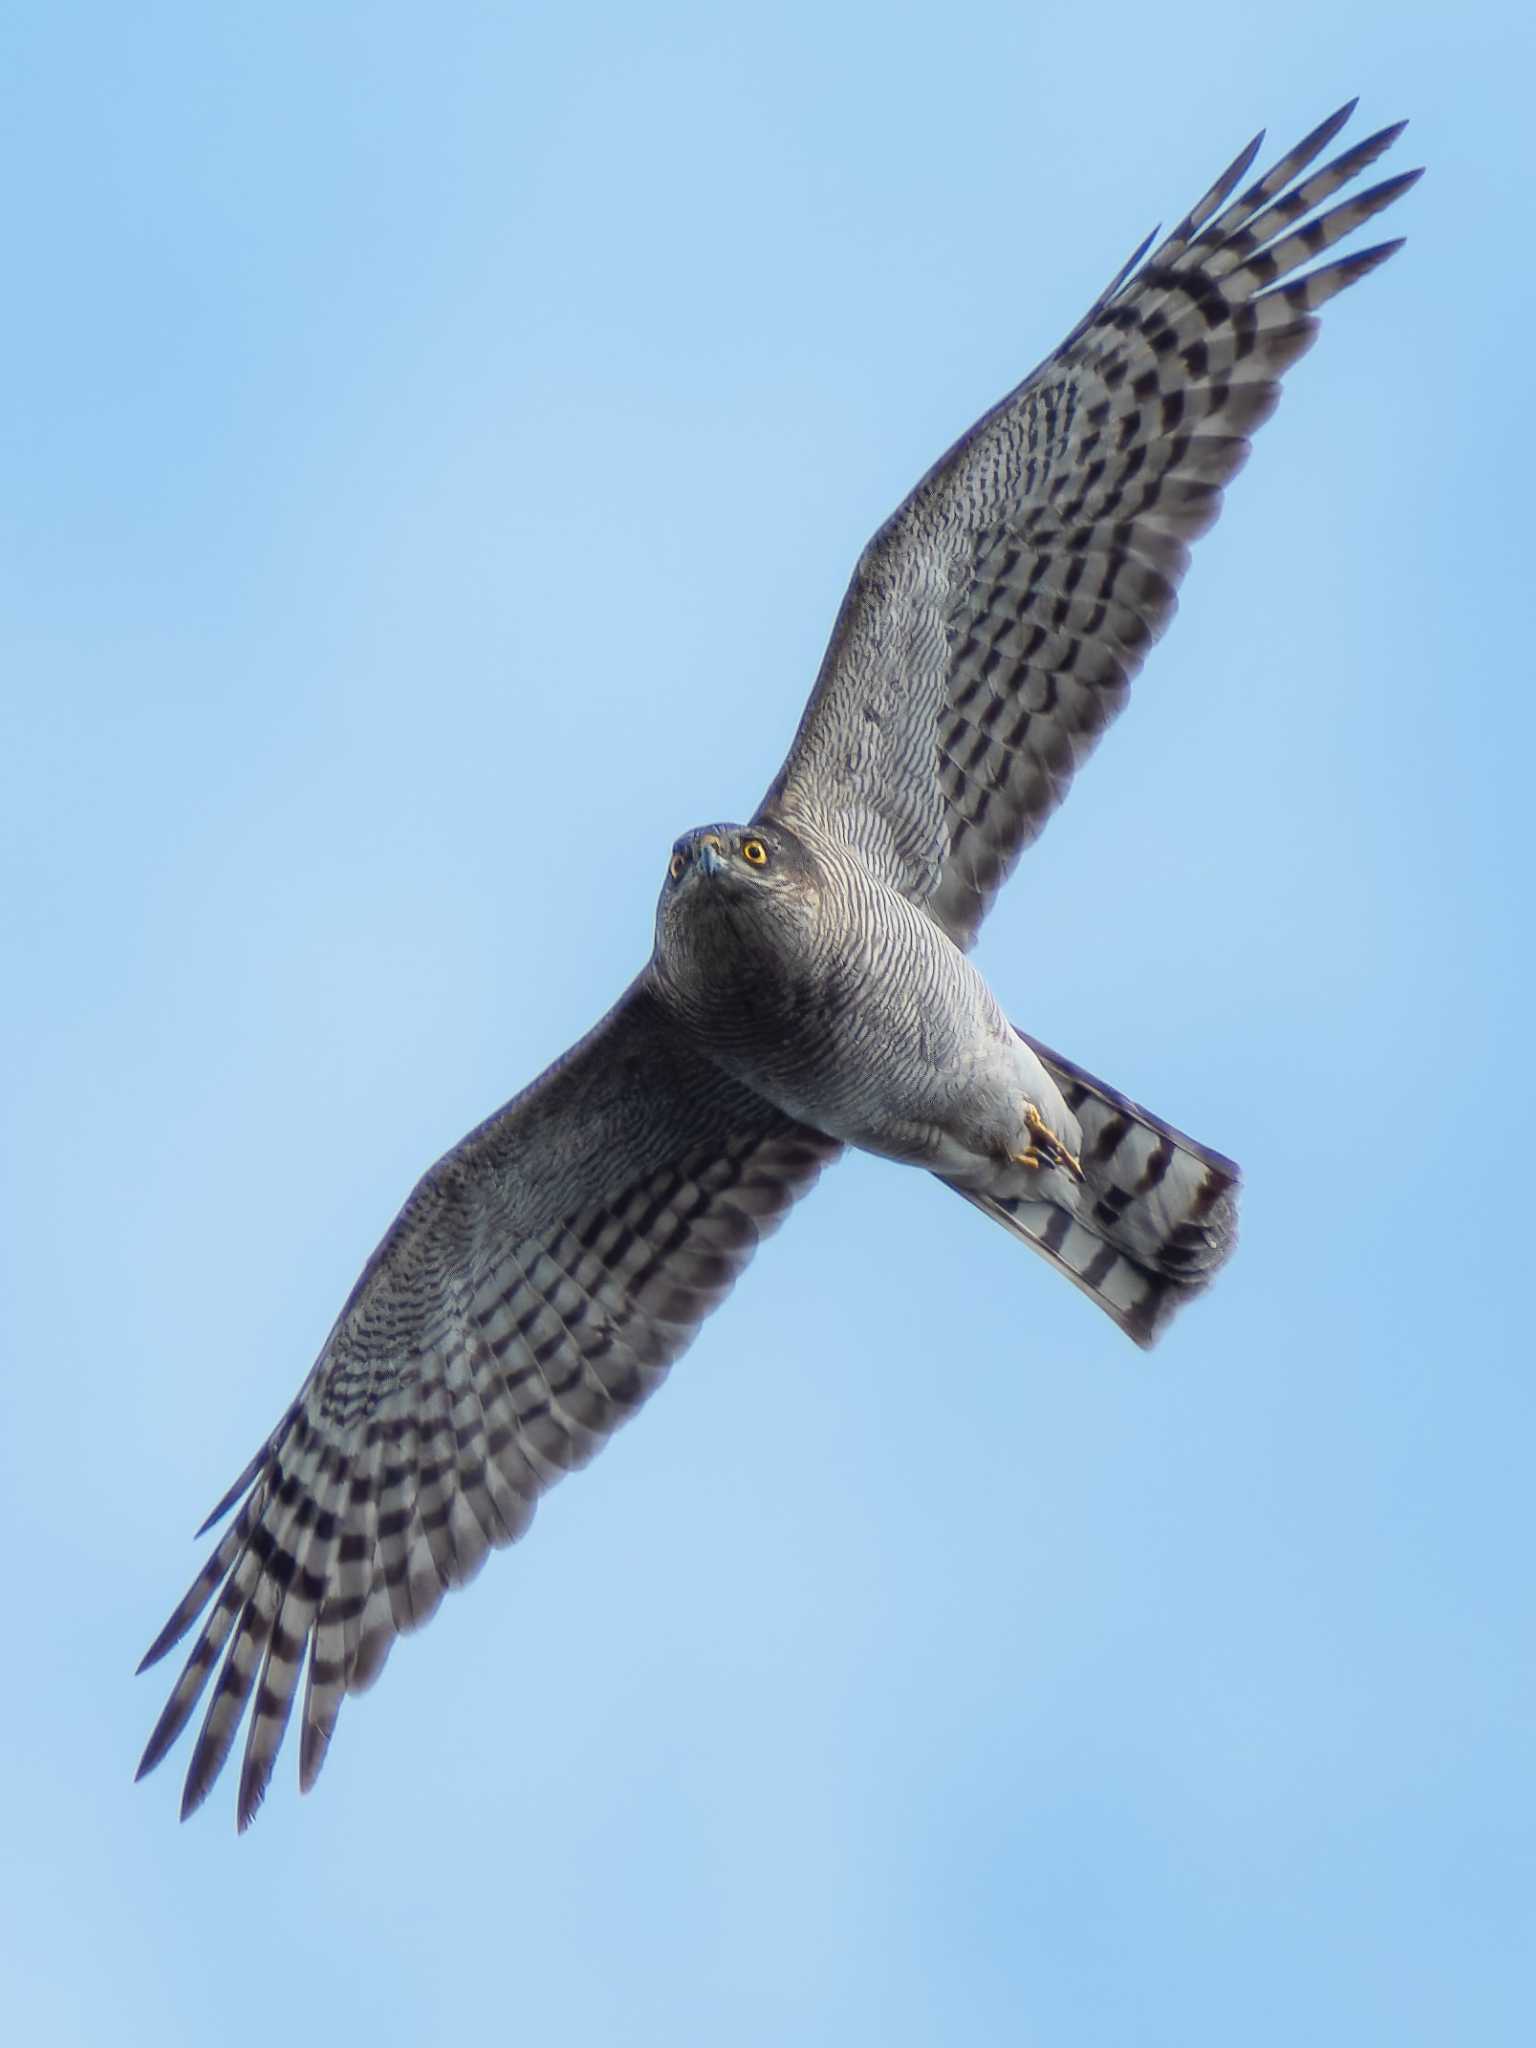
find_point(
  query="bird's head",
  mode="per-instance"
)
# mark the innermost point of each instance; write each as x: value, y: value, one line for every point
x: 736, y: 899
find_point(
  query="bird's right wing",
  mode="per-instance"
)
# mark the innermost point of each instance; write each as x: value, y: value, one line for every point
x: 995, y: 622
x: 531, y: 1293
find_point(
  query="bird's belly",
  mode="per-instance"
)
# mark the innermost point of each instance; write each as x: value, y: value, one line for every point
x: 876, y: 1030
x: 924, y: 1082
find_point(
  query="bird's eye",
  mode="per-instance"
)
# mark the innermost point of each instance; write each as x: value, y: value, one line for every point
x: 676, y: 865
x: 754, y: 853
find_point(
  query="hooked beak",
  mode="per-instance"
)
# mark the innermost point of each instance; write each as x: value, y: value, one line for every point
x: 709, y: 855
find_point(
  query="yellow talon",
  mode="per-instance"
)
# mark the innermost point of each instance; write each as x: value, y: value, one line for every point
x: 1048, y: 1150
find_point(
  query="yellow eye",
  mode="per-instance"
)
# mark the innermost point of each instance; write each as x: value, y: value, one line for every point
x: 676, y: 865
x: 754, y: 853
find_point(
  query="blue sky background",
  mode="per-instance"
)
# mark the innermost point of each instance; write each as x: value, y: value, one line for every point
x: 436, y: 441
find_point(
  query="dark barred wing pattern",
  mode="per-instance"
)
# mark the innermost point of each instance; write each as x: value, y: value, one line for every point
x: 994, y: 624
x: 531, y: 1294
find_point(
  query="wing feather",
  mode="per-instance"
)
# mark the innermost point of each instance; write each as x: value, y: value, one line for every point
x: 995, y: 624
x: 531, y: 1294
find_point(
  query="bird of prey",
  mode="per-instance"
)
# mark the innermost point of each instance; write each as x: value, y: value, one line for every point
x: 809, y: 988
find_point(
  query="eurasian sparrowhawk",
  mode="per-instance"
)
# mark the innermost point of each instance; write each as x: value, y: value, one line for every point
x: 809, y: 989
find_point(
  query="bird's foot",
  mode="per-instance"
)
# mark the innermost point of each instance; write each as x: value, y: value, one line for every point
x: 1045, y: 1148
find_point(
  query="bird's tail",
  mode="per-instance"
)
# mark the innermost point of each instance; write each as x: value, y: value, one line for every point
x: 1155, y: 1217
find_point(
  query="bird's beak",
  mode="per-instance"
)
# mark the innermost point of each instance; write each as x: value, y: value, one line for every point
x: 709, y: 856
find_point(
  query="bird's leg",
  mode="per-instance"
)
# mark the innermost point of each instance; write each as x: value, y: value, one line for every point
x: 1045, y: 1148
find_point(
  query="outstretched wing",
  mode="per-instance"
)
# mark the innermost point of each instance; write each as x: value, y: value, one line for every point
x: 994, y: 624
x: 529, y: 1296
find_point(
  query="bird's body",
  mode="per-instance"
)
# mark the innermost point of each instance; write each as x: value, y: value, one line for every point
x: 840, y: 1002
x: 810, y: 988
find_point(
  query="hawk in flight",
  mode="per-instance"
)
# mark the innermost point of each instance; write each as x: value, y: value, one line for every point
x: 810, y: 988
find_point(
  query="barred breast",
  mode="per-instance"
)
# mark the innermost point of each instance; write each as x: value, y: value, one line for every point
x: 846, y: 1007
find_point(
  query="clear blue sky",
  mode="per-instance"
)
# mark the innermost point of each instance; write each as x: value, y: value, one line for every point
x: 436, y: 441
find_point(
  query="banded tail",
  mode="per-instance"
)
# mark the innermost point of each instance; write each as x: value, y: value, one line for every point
x: 1157, y: 1213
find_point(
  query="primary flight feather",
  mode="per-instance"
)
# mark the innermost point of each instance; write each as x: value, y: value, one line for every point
x: 809, y: 988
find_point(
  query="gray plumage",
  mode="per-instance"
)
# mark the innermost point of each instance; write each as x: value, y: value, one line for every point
x: 809, y: 988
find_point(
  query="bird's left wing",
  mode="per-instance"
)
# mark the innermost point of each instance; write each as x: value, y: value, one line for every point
x: 994, y: 624
x: 531, y: 1293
